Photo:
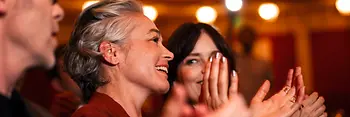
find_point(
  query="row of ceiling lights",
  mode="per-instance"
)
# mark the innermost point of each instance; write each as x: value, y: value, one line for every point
x: 207, y: 14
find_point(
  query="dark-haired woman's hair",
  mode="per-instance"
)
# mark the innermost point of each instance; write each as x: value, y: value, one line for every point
x: 183, y: 40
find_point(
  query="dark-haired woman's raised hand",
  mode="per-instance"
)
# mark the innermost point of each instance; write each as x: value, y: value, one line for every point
x: 234, y: 107
x: 215, y: 89
x: 176, y: 106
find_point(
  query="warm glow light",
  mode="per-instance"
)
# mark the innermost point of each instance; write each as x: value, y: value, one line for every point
x: 343, y: 7
x: 338, y: 115
x: 206, y: 14
x: 268, y: 11
x: 233, y: 5
x: 150, y: 12
x: 88, y: 3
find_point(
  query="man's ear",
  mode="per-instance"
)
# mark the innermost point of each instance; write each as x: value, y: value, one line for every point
x: 109, y: 52
x: 3, y: 8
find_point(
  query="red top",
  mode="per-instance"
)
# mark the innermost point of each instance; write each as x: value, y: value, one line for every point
x: 101, y: 105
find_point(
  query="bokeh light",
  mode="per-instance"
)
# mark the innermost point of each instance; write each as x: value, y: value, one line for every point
x: 88, y: 3
x: 151, y: 12
x: 206, y: 14
x: 268, y: 11
x: 343, y: 7
x: 233, y: 5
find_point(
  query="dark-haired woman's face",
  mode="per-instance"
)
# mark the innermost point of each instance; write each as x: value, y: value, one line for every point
x: 191, y: 70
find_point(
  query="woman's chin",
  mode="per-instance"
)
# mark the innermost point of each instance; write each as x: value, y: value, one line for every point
x: 162, y: 89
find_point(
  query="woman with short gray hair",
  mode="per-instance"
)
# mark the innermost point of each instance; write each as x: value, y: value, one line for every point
x: 116, y: 56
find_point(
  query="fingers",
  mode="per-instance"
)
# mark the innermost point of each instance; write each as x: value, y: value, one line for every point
x: 287, y: 103
x: 290, y: 78
x: 319, y: 102
x: 296, y: 74
x: 205, y: 86
x: 236, y: 107
x: 260, y: 95
x: 201, y: 110
x: 175, y: 106
x: 186, y: 111
x: 319, y: 111
x: 299, y: 85
x: 299, y: 78
x: 291, y: 92
x: 301, y: 94
x: 223, y: 79
x: 324, y: 114
x: 234, y: 83
x: 178, y: 94
x: 310, y: 100
x: 290, y: 110
x: 289, y: 98
x: 284, y: 91
x: 289, y: 106
x: 295, y: 78
x: 305, y: 97
x: 213, y: 77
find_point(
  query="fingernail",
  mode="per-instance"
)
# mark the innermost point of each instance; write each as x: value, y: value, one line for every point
x: 217, y: 55
x: 223, y: 59
x: 234, y: 73
x: 211, y: 59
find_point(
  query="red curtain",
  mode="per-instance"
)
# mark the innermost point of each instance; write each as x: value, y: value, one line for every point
x: 331, y: 66
x: 283, y: 57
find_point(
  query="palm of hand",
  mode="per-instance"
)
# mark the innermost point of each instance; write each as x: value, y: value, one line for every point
x: 279, y: 105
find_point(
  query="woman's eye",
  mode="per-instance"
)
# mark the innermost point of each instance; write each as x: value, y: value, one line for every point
x: 54, y: 1
x: 156, y: 39
x: 192, y: 61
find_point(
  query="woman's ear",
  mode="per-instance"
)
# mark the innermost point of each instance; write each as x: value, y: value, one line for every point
x: 109, y: 52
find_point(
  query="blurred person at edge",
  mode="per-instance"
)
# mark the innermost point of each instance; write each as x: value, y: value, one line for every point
x: 29, y: 29
x: 2, y: 16
x: 68, y: 95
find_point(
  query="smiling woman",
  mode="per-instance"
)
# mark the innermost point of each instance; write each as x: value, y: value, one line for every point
x: 204, y: 64
x: 115, y: 50
x: 193, y: 45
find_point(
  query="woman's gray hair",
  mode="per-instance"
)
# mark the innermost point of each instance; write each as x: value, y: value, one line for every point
x: 108, y: 20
